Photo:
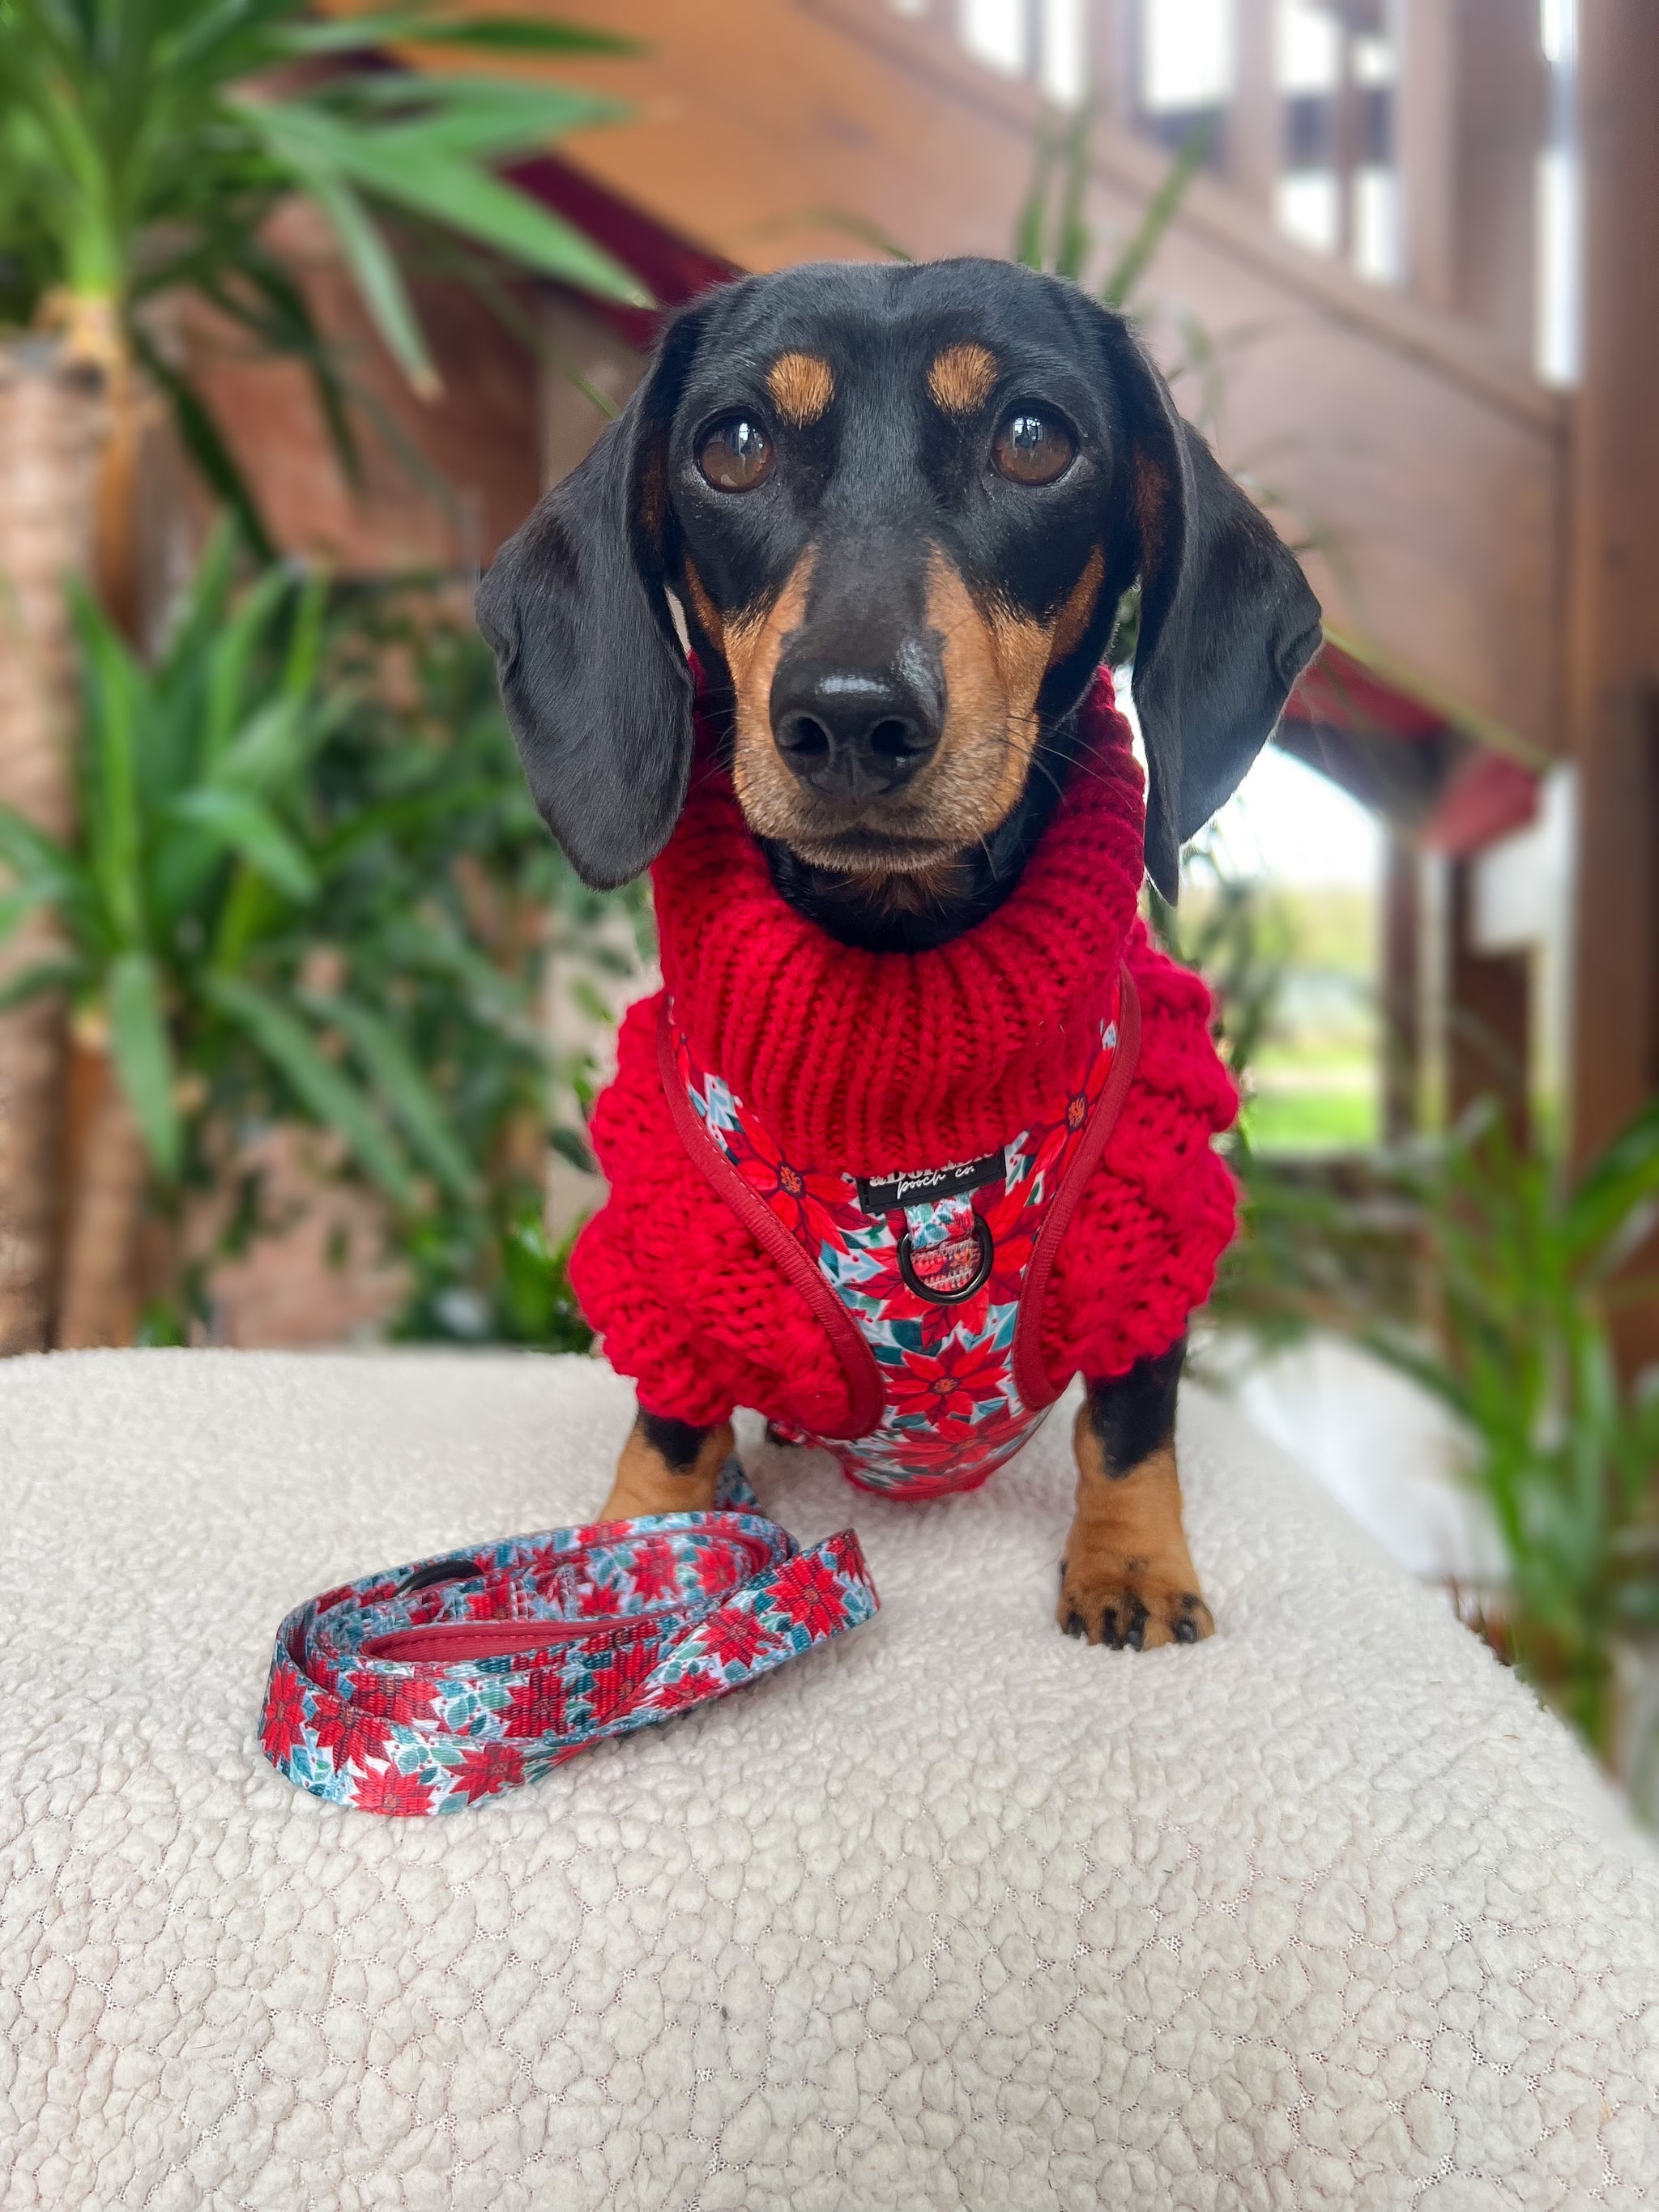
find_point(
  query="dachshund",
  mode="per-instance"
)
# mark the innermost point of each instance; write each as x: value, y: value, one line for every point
x: 856, y: 546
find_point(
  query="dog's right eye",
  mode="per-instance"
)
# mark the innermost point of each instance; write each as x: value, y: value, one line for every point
x: 1032, y: 447
x: 736, y: 454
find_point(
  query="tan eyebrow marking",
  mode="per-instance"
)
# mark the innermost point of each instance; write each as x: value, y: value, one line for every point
x: 802, y: 385
x: 961, y: 377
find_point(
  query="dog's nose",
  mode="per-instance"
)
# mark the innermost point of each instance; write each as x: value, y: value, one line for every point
x: 852, y: 733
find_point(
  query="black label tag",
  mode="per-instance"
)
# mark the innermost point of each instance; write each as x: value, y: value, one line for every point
x: 888, y: 1194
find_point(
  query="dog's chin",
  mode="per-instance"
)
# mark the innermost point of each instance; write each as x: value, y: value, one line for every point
x: 869, y: 854
x: 869, y: 843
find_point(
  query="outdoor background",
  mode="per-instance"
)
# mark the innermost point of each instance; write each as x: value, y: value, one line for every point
x: 301, y: 1014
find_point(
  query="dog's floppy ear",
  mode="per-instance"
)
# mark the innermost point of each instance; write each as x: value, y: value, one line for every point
x: 594, y: 681
x: 1227, y: 619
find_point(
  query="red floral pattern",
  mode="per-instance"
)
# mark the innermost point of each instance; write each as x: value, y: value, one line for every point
x: 642, y: 1619
x: 952, y: 1411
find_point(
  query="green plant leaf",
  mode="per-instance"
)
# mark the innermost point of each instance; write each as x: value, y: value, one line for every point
x: 482, y: 119
x: 16, y: 906
x: 1071, y: 240
x: 202, y: 440
x: 510, y: 34
x: 449, y: 191
x: 261, y: 754
x: 1143, y: 243
x: 397, y: 819
x: 375, y: 272
x: 114, y: 687
x: 229, y: 659
x: 1623, y: 1178
x: 60, y: 973
x: 199, y: 620
x: 305, y: 647
x: 329, y: 1095
x: 433, y: 944
x: 38, y: 860
x: 243, y: 825
x: 142, y: 1053
x: 405, y: 1090
x: 571, y: 1145
x: 1034, y: 209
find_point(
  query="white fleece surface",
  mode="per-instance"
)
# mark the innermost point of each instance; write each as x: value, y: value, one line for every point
x: 1324, y: 1912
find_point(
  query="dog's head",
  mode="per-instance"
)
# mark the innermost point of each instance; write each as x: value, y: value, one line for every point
x: 899, y: 507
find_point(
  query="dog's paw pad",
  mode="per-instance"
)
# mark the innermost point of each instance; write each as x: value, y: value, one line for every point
x: 1130, y: 1606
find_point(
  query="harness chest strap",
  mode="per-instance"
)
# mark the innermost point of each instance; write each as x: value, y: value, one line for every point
x: 867, y: 1391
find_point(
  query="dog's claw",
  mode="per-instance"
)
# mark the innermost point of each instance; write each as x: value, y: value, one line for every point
x: 1124, y: 1619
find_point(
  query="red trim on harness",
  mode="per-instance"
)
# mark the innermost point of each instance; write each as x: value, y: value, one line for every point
x: 858, y: 1362
x: 1031, y: 1379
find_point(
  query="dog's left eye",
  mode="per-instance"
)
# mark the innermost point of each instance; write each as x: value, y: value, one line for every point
x: 735, y: 455
x: 1031, y: 448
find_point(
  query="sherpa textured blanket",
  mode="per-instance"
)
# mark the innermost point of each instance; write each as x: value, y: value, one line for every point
x: 953, y: 1913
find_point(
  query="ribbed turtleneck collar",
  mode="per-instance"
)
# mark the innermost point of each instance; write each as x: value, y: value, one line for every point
x: 871, y: 1062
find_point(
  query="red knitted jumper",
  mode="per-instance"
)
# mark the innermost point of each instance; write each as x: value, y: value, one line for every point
x: 863, y: 1064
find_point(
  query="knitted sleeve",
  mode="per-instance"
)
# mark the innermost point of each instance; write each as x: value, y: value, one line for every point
x: 686, y: 1302
x: 1158, y: 1211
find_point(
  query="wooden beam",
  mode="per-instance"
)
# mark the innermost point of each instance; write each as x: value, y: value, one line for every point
x: 1114, y: 60
x: 1614, y: 700
x: 1425, y: 124
x: 1402, y: 995
x: 1255, y: 121
x: 1500, y: 89
x: 1488, y: 1013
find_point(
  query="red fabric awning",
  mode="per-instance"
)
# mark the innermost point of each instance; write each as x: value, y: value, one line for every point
x: 1488, y: 797
x: 1337, y: 691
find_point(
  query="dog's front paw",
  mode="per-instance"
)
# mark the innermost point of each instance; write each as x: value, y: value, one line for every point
x: 1131, y: 1602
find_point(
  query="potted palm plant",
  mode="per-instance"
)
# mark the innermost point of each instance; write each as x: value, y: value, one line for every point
x: 271, y: 911
x: 143, y: 151
x: 1531, y: 1266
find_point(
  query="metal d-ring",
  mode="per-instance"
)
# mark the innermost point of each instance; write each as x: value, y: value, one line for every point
x: 981, y: 1274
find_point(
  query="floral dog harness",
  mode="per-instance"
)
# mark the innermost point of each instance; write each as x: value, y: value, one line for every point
x: 930, y: 1280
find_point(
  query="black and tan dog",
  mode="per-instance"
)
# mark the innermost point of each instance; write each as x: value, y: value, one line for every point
x: 899, y: 509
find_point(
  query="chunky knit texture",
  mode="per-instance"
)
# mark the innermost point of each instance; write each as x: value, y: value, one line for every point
x: 876, y: 1062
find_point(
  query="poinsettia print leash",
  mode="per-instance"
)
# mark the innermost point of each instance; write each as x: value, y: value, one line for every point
x: 426, y: 1688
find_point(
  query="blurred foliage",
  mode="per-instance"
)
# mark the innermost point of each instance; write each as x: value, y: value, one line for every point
x: 145, y: 144
x: 1236, y: 932
x: 1054, y: 232
x: 1527, y: 1265
x: 1492, y: 1277
x: 1312, y: 1235
x: 471, y: 861
x: 310, y: 885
